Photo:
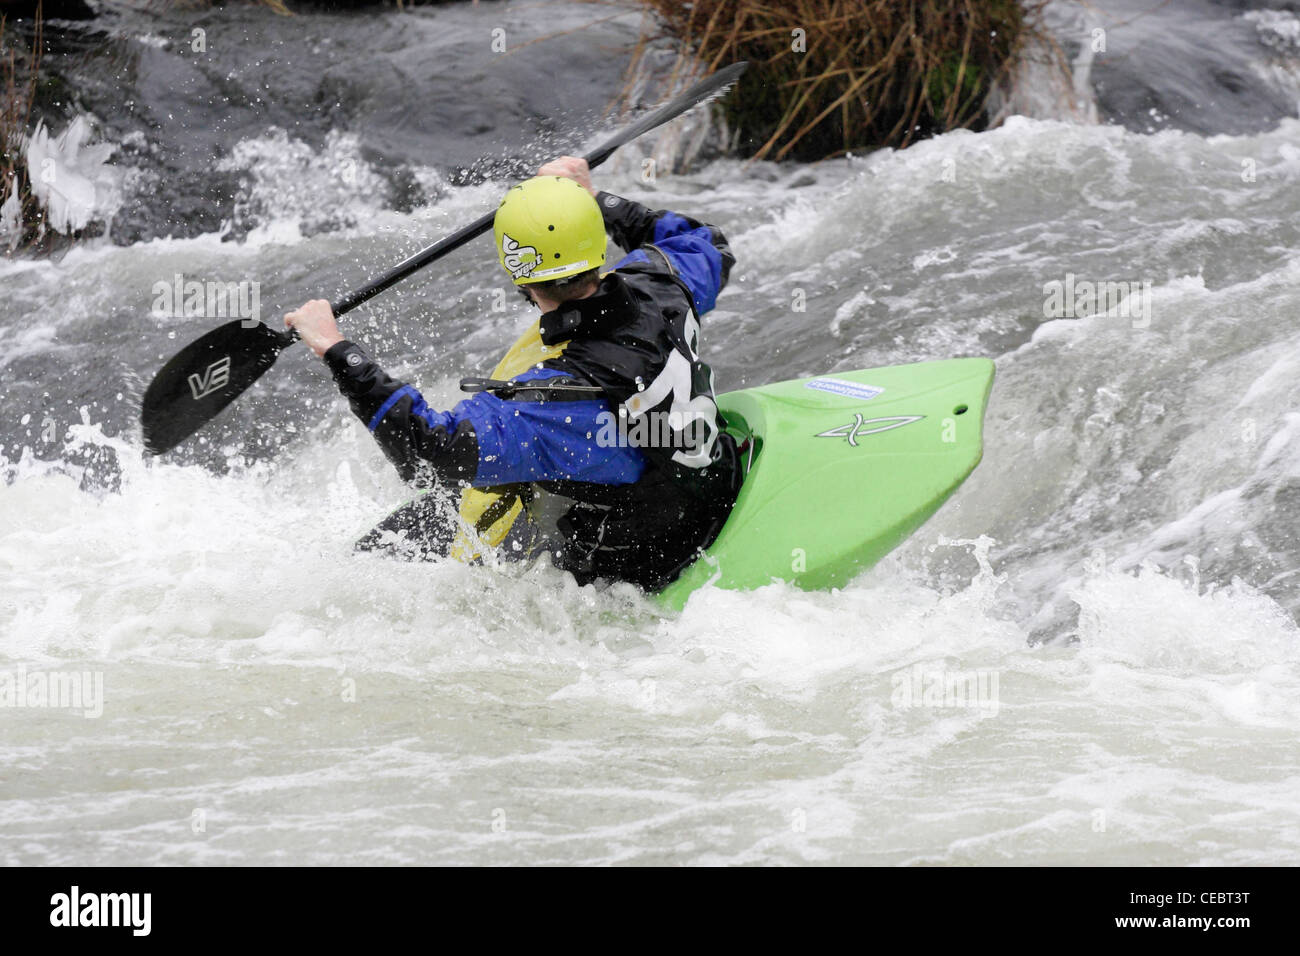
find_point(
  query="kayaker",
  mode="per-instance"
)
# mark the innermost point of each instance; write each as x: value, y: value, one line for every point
x: 617, y: 421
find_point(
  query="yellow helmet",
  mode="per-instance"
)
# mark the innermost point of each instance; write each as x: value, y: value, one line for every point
x: 548, y: 227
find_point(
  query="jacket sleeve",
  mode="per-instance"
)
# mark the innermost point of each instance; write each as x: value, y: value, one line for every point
x: 421, y: 443
x: 484, y: 440
x: 696, y: 252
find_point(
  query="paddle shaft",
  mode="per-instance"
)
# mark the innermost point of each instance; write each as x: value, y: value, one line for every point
x: 719, y: 81
x: 212, y: 371
x: 413, y: 264
x: 439, y: 249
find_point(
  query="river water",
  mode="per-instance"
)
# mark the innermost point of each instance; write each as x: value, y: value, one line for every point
x: 1118, y: 577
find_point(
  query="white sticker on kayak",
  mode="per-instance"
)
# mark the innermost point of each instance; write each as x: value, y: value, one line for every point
x: 839, y: 386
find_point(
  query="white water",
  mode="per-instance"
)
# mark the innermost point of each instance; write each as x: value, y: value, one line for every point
x: 503, y: 715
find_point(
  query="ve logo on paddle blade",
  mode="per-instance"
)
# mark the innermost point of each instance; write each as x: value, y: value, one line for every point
x: 858, y: 427
x: 214, y: 377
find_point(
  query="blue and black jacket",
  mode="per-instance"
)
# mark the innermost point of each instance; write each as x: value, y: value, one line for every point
x: 644, y: 503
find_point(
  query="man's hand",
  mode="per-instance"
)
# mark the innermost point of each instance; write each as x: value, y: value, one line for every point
x: 570, y: 167
x: 315, y: 323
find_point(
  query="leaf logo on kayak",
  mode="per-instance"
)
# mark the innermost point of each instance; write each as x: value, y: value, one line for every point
x: 519, y: 260
x: 215, y: 377
x: 862, y: 426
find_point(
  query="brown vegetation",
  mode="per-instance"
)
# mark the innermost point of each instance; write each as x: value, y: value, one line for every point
x: 18, y: 79
x: 830, y: 76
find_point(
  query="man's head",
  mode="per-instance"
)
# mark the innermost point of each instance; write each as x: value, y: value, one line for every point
x: 550, y: 237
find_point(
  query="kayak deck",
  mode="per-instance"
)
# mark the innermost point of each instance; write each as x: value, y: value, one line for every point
x: 841, y: 469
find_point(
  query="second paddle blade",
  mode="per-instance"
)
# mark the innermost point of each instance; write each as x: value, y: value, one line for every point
x: 203, y: 378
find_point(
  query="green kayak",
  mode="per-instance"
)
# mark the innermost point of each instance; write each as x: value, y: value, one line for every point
x: 840, y: 470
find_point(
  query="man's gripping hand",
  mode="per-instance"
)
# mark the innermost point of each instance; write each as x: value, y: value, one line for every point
x: 570, y: 167
x: 315, y: 324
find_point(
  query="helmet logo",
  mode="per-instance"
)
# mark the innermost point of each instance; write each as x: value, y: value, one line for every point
x: 519, y: 260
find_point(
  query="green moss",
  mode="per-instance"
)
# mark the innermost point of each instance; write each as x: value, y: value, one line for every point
x: 944, y: 79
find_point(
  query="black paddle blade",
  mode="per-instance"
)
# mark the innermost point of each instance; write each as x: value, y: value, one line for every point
x: 205, y: 377
x: 209, y: 374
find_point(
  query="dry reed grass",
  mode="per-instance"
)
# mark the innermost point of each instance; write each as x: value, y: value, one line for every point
x: 832, y: 76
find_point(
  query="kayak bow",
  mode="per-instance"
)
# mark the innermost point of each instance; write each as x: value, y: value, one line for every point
x: 840, y: 470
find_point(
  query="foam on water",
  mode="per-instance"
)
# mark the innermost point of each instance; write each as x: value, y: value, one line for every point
x: 1038, y: 675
